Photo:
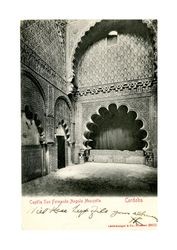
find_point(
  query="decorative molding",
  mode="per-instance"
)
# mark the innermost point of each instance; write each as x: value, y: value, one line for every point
x: 126, y: 88
x: 32, y: 60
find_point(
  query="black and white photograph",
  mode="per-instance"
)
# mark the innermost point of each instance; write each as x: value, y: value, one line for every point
x: 88, y: 142
x: 89, y: 107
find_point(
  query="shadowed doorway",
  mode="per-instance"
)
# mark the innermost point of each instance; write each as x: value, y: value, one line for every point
x: 61, y: 151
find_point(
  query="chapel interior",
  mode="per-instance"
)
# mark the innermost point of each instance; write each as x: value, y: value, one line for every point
x: 89, y: 107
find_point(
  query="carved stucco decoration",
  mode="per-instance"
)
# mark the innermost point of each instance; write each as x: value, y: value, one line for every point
x: 118, y: 89
x: 150, y: 24
x: 47, y: 38
x: 32, y: 60
x: 131, y: 58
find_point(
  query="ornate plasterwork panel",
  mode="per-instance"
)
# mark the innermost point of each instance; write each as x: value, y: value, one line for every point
x: 131, y: 58
x: 48, y: 39
x: 32, y: 60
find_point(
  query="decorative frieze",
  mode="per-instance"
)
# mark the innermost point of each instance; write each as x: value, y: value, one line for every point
x: 124, y: 88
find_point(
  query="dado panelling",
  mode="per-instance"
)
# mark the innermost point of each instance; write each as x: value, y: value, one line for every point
x: 131, y: 58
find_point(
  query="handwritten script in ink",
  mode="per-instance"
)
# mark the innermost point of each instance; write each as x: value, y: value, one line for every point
x: 91, y: 211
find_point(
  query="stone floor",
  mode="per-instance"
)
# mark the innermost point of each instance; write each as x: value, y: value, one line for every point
x: 96, y: 179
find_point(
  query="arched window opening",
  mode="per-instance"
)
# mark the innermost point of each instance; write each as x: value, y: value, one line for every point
x: 112, y: 38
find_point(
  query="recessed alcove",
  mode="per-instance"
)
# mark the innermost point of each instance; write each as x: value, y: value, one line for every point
x: 115, y: 129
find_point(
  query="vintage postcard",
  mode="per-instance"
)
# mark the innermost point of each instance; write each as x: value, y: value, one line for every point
x: 89, y: 124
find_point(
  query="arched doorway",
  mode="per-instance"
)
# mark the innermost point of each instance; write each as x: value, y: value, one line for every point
x: 61, y: 148
x: 116, y: 131
x: 63, y: 145
x: 63, y: 131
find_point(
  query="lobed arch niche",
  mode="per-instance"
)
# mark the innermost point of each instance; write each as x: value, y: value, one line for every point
x: 34, y: 147
x: 116, y: 128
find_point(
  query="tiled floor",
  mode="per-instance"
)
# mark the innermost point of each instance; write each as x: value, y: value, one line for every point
x: 96, y: 179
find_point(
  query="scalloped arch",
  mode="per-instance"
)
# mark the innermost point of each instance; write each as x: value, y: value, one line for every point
x: 81, y: 45
x: 97, y: 118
